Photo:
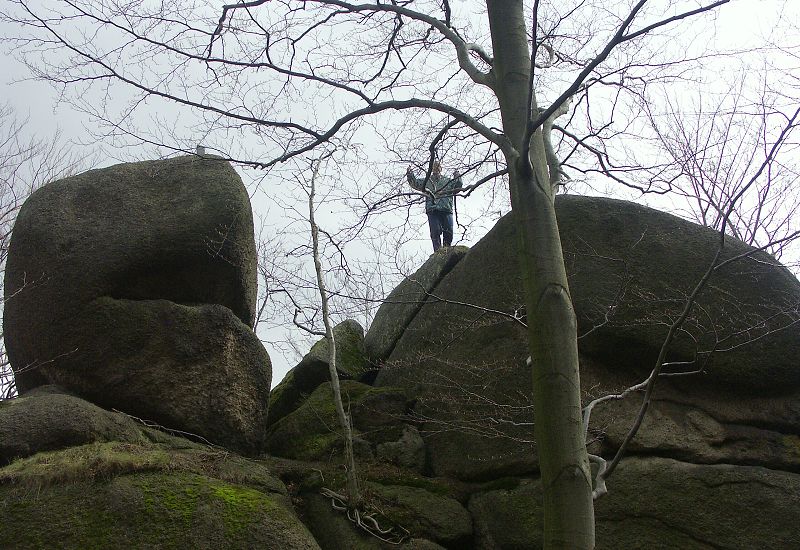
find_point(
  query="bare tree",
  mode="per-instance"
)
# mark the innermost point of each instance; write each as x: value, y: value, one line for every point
x: 358, y: 271
x: 353, y: 491
x: 712, y: 151
x: 753, y: 173
x: 490, y: 87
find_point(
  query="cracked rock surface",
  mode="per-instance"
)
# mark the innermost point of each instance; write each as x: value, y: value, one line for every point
x: 134, y: 287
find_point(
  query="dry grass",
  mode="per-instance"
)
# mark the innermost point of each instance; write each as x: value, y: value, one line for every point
x: 103, y: 461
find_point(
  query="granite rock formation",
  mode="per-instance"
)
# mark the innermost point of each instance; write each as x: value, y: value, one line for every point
x: 443, y: 433
x: 134, y: 287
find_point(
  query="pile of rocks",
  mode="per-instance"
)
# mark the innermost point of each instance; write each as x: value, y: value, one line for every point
x: 133, y: 289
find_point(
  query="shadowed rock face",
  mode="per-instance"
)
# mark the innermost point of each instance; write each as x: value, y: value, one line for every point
x: 405, y: 301
x: 193, y: 368
x: 313, y: 369
x: 306, y: 433
x: 134, y: 286
x: 178, y: 230
x: 659, y: 503
x: 630, y: 269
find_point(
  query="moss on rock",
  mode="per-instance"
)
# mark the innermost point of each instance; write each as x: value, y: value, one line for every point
x: 109, y: 495
x: 99, y: 461
x: 149, y: 510
x: 313, y: 369
x: 312, y: 431
x: 47, y: 419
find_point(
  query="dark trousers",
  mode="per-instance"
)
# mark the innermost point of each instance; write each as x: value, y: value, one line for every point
x: 441, y: 224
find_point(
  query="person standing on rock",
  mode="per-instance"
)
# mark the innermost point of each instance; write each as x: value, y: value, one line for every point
x: 439, y: 202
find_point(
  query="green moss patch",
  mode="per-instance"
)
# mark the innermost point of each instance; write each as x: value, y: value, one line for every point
x: 312, y: 431
x: 148, y: 510
x: 87, y: 462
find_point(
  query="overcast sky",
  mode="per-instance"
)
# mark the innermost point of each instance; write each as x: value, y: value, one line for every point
x: 742, y: 23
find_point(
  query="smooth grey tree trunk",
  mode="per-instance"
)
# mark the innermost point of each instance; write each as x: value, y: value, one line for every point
x: 552, y: 332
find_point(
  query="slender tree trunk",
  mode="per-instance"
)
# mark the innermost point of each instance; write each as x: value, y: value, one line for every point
x: 353, y: 491
x: 552, y: 332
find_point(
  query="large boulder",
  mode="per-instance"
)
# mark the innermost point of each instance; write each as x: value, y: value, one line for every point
x: 178, y: 230
x: 196, y: 369
x: 134, y: 287
x: 630, y: 271
x: 313, y: 370
x: 659, y: 503
x: 48, y: 419
x: 403, y: 303
x: 116, y: 495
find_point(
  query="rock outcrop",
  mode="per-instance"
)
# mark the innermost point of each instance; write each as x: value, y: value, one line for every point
x: 727, y: 434
x: 659, y: 503
x: 313, y: 369
x: 134, y: 287
x: 112, y: 495
x: 444, y: 433
x: 49, y: 419
x: 630, y: 270
x: 84, y: 477
x: 405, y: 301
x: 178, y: 230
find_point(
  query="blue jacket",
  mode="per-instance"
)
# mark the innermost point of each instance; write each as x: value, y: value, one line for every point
x: 440, y: 187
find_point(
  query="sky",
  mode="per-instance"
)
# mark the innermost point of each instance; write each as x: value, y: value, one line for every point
x: 743, y: 23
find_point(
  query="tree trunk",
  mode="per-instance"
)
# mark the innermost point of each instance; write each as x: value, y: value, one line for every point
x: 552, y: 332
x: 353, y: 490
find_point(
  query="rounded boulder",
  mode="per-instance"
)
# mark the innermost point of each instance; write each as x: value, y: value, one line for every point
x: 179, y: 229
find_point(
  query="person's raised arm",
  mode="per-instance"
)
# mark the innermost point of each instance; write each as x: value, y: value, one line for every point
x: 412, y: 179
x: 456, y: 183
